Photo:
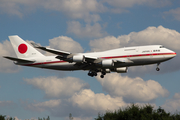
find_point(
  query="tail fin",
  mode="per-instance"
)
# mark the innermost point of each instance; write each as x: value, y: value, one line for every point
x: 22, y: 48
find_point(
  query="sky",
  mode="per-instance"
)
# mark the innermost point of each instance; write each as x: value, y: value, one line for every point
x: 86, y: 26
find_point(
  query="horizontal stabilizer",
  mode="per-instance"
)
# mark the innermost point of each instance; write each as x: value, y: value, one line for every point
x: 18, y: 59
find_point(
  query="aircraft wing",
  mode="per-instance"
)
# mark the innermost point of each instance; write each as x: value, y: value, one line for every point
x: 57, y: 52
x: 64, y: 55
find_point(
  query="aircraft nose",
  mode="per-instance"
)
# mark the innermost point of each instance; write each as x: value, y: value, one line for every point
x: 173, y: 54
x: 170, y: 54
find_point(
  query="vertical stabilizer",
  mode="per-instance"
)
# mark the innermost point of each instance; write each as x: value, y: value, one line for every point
x: 23, y: 49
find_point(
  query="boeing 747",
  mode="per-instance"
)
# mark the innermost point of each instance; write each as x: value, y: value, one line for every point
x: 115, y: 60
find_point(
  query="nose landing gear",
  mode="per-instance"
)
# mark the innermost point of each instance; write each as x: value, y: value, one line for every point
x: 158, y: 69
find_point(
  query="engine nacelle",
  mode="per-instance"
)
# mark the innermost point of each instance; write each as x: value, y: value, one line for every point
x: 78, y: 58
x: 107, y: 63
x: 121, y: 70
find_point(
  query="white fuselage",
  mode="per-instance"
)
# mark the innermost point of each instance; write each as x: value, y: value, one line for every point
x: 141, y: 55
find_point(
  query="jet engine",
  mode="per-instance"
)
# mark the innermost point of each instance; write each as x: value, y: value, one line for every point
x: 120, y: 70
x: 78, y: 58
x: 107, y: 63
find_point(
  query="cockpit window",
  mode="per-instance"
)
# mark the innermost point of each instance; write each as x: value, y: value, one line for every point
x: 161, y: 47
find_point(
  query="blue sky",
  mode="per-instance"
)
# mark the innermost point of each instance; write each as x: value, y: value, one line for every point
x: 83, y: 26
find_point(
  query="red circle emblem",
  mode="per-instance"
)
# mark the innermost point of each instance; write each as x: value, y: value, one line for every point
x: 22, y: 48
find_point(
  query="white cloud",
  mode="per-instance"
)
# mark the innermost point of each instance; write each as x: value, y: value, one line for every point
x: 76, y: 9
x: 88, y: 100
x: 131, y: 3
x: 87, y: 10
x: 109, y: 42
x: 82, y: 105
x: 81, y: 102
x: 65, y: 43
x: 132, y: 89
x: 42, y: 106
x: 89, y: 30
x: 172, y: 104
x: 7, y: 65
x: 18, y: 7
x: 175, y: 13
x: 58, y: 87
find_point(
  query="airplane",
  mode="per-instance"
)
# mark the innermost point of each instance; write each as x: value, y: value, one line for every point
x: 115, y: 60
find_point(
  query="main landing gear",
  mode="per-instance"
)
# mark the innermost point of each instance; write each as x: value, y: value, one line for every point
x: 158, y: 69
x: 94, y: 73
x: 103, y: 74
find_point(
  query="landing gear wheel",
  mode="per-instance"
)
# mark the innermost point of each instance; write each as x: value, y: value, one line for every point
x: 92, y: 73
x: 158, y: 69
x: 102, y: 76
x: 89, y: 74
x: 103, y: 73
x: 95, y: 74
